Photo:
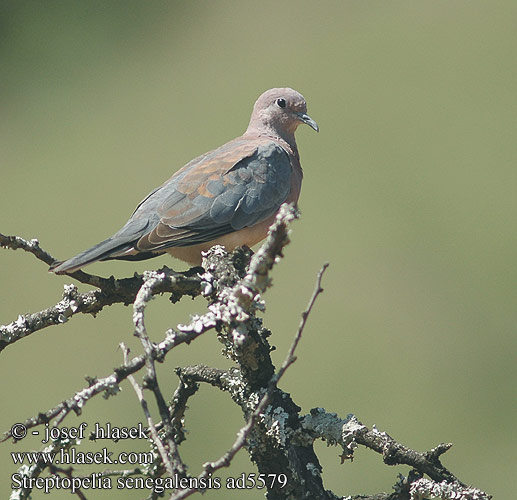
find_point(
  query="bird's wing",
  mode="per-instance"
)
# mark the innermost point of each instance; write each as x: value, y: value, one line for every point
x: 235, y: 186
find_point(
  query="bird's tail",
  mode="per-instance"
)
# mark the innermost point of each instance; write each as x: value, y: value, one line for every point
x: 106, y: 249
x: 118, y: 246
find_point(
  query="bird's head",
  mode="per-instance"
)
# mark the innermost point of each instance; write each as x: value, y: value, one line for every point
x: 280, y: 111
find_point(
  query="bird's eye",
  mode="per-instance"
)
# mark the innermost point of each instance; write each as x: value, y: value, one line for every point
x: 281, y: 102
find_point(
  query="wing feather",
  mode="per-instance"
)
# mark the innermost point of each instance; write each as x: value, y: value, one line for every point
x: 236, y: 186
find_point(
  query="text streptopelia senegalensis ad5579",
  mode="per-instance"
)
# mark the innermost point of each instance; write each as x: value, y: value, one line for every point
x: 229, y: 196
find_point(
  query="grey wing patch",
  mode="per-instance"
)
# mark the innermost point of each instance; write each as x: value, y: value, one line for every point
x: 202, y: 205
x: 251, y: 191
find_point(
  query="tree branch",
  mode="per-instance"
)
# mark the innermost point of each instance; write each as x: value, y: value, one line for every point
x: 121, y: 291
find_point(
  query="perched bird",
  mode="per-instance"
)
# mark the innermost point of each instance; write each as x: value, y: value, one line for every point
x: 228, y: 196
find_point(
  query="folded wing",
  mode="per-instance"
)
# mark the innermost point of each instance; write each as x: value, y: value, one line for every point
x: 235, y: 186
x: 225, y: 192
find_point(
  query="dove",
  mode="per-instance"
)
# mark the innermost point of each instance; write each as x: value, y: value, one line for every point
x: 228, y: 196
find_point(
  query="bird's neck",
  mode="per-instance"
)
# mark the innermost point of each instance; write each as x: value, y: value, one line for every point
x: 286, y: 138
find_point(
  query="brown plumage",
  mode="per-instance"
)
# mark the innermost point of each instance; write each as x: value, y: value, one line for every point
x: 228, y: 196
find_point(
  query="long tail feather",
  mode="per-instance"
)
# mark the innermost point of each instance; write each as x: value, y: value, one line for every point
x: 107, y: 248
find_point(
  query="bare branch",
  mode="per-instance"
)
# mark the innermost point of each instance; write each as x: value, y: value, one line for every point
x: 290, y: 355
x: 278, y: 438
x: 178, y: 405
x: 137, y: 471
x: 31, y: 246
x: 202, y: 373
x: 350, y: 432
x: 271, y: 251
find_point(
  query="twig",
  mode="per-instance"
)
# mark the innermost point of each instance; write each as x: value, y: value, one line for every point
x: 32, y: 246
x: 145, y: 408
x: 269, y: 253
x: 137, y: 471
x: 68, y: 473
x: 144, y: 295
x: 394, y: 453
x: 202, y: 373
x: 290, y: 359
x: 350, y: 432
x: 178, y: 405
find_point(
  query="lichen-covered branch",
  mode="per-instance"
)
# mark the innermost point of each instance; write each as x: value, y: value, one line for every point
x: 31, y: 246
x: 121, y: 291
x: 33, y: 471
x: 256, y: 415
x: 424, y: 488
x: 349, y: 432
x: 188, y: 283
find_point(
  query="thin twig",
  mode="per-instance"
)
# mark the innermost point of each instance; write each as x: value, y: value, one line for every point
x: 68, y: 473
x: 32, y: 246
x: 142, y: 299
x: 154, y: 434
x: 291, y: 358
x: 137, y: 471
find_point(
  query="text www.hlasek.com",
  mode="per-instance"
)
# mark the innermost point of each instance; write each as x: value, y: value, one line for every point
x: 73, y: 456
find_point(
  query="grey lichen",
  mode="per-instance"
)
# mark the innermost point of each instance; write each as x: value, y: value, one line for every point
x: 313, y: 469
x: 333, y: 429
x: 424, y: 489
x: 275, y: 420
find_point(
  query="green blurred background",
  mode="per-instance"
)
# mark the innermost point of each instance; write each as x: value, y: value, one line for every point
x: 409, y: 193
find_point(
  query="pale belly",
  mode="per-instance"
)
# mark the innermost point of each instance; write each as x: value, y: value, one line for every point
x: 247, y: 236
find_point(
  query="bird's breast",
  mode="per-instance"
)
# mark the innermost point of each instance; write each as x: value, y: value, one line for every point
x: 248, y: 236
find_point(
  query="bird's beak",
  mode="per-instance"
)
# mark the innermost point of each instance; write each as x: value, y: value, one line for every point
x: 309, y: 121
